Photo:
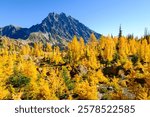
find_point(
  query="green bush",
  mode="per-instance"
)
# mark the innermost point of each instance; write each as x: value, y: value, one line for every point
x: 18, y: 80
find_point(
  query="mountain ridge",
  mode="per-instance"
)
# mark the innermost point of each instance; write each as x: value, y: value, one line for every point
x: 55, y: 25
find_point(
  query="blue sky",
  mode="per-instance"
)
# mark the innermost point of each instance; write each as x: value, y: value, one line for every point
x: 103, y: 16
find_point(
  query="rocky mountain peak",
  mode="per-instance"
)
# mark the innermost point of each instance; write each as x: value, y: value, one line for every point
x: 55, y: 25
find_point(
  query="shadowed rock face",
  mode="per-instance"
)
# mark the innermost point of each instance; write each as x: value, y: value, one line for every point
x: 15, y: 32
x: 54, y: 25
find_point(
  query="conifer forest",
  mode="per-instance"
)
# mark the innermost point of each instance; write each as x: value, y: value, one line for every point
x: 109, y: 68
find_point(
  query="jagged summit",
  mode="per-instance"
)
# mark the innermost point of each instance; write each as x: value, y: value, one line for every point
x: 54, y: 25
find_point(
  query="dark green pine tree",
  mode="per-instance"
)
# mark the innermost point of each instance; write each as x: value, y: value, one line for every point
x: 120, y: 32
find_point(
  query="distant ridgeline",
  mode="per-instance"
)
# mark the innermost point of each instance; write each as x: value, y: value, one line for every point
x: 55, y: 28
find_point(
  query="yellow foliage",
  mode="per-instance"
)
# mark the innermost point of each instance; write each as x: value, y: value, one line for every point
x: 29, y: 69
x: 45, y: 92
x: 109, y: 50
x: 3, y: 93
x: 115, y: 83
x: 85, y: 91
x: 57, y: 56
x: 127, y: 63
x: 142, y: 94
x: 101, y: 77
x: 74, y: 49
